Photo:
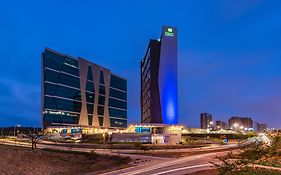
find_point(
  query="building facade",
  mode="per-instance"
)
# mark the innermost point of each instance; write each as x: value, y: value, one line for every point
x: 159, y: 89
x: 206, y: 121
x: 220, y: 125
x: 261, y: 127
x: 78, y: 93
x: 240, y: 123
x: 150, y: 133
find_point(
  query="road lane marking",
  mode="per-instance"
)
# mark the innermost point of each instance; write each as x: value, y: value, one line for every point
x: 183, y: 168
x: 165, y: 164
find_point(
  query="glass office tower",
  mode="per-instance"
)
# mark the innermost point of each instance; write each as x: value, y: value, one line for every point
x: 76, y: 92
x: 159, y: 89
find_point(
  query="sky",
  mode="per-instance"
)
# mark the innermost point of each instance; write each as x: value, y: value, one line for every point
x: 229, y: 52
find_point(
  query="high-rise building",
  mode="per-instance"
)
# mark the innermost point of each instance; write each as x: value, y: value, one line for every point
x: 76, y: 92
x: 220, y: 124
x: 206, y: 121
x: 261, y: 127
x: 159, y: 90
x: 240, y: 123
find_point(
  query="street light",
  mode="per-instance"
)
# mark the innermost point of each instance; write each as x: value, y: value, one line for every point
x: 211, y: 125
x: 15, y: 130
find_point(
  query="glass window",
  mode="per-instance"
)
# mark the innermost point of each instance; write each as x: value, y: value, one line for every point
x: 90, y: 74
x: 61, y: 91
x: 90, y: 108
x: 101, y: 121
x: 100, y: 110
x: 101, y: 100
x: 118, y: 123
x: 90, y: 86
x: 61, y: 104
x: 117, y: 94
x: 90, y: 119
x: 102, y: 90
x: 90, y: 97
x: 117, y: 113
x: 101, y: 77
x: 117, y: 103
x: 60, y: 117
x: 61, y: 63
x: 61, y: 78
x: 118, y: 83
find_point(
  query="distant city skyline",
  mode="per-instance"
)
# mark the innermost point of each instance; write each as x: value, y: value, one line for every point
x: 228, y: 53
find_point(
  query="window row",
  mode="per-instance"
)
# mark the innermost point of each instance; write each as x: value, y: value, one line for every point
x: 61, y: 118
x: 118, y: 83
x: 118, y: 123
x: 61, y: 78
x: 61, y: 104
x: 117, y: 113
x: 61, y: 91
x: 117, y: 104
x: 60, y: 63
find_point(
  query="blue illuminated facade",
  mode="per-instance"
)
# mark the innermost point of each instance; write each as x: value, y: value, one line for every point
x: 159, y: 89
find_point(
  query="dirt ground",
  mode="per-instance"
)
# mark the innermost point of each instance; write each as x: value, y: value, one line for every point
x: 24, y: 161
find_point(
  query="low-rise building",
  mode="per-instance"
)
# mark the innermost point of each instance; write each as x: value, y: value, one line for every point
x: 150, y: 133
x: 261, y: 127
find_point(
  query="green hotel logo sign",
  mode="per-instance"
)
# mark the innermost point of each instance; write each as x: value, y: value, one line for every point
x: 169, y: 32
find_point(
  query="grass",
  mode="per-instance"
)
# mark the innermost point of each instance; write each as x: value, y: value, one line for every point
x: 272, y: 162
x: 250, y: 171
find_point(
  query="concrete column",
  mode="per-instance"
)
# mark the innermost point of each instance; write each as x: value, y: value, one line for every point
x: 107, y: 75
x: 96, y: 77
x: 83, y: 70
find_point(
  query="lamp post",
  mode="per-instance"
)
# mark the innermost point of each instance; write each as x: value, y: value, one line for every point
x: 15, y: 130
x: 235, y: 126
x: 211, y: 125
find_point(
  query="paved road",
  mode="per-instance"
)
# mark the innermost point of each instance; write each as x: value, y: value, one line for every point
x: 100, y: 151
x: 125, y: 152
x: 181, y: 166
x: 150, y: 164
x: 175, y: 166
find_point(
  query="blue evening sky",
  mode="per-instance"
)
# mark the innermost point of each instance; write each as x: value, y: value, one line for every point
x: 229, y: 52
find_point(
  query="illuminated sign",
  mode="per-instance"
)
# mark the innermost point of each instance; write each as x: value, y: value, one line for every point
x: 142, y: 130
x: 169, y: 32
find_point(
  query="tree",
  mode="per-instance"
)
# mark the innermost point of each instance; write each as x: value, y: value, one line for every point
x: 34, y: 138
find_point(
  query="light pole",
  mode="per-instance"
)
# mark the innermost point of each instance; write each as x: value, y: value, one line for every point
x: 15, y: 130
x: 210, y: 126
x: 235, y: 126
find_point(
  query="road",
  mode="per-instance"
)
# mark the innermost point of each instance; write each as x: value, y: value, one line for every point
x: 122, y: 152
x: 183, y: 165
x: 150, y: 164
x: 178, y: 166
x: 157, y: 165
